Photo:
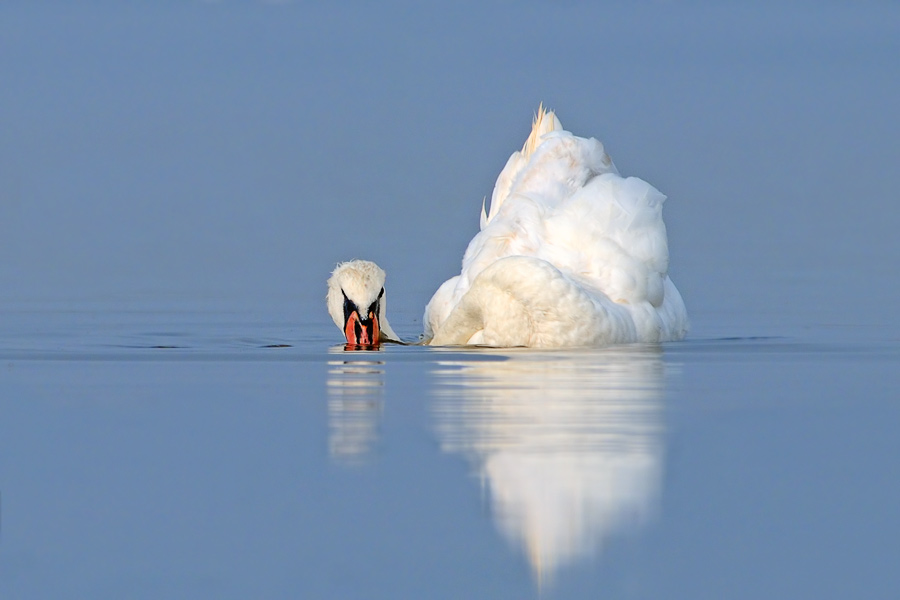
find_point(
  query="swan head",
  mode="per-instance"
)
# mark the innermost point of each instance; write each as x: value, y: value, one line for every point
x: 356, y: 303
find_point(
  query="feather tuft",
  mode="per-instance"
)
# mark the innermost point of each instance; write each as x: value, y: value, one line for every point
x: 543, y: 123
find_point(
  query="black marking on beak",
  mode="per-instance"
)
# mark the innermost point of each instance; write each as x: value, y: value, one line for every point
x: 365, y: 326
x: 349, y: 307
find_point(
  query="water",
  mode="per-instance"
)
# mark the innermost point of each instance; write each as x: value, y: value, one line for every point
x: 157, y: 452
x: 178, y: 419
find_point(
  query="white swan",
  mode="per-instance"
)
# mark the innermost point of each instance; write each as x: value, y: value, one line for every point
x: 570, y: 254
x: 357, y: 303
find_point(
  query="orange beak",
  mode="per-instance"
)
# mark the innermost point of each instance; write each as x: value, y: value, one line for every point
x: 362, y: 332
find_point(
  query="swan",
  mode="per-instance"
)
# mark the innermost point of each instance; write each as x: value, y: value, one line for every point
x: 569, y: 254
x: 356, y: 303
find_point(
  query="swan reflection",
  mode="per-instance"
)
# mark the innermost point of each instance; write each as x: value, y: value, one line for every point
x: 569, y: 444
x: 355, y: 406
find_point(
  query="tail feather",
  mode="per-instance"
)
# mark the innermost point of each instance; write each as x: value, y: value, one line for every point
x: 544, y: 122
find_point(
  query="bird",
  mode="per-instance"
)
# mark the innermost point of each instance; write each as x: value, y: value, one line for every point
x: 569, y: 254
x: 357, y: 303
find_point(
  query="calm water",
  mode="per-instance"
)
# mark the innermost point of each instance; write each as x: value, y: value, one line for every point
x: 174, y: 453
x: 167, y: 448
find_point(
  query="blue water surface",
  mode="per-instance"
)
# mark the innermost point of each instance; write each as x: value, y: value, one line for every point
x: 154, y: 453
x: 179, y: 419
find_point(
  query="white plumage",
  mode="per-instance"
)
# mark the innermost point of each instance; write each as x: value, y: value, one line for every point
x: 570, y: 254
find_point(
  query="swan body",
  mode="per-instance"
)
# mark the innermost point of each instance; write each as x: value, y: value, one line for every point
x: 570, y: 254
